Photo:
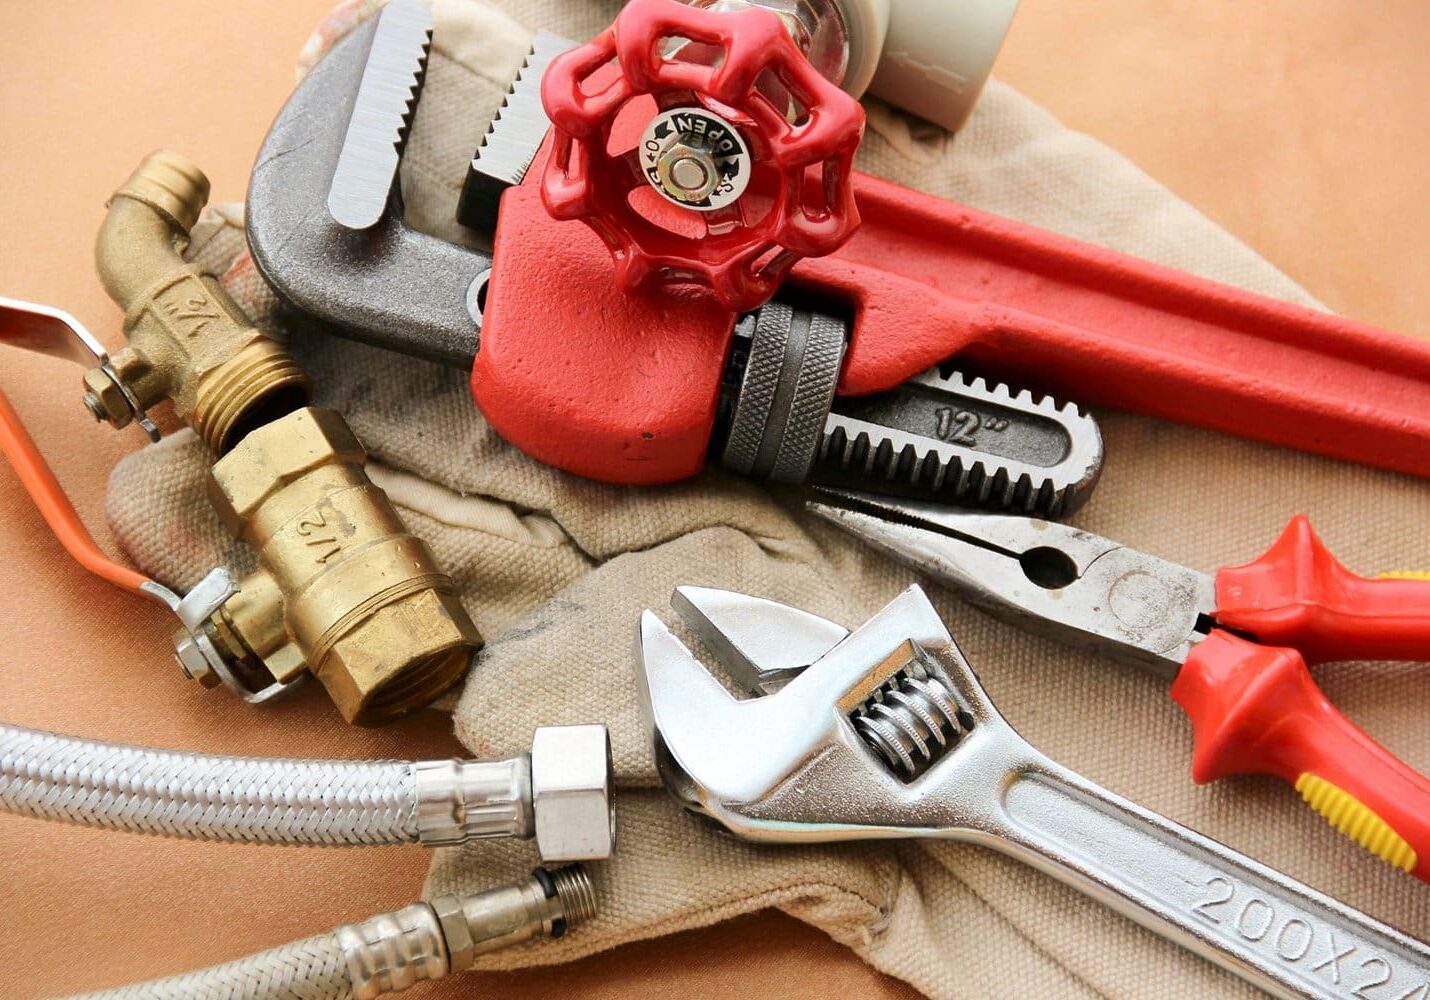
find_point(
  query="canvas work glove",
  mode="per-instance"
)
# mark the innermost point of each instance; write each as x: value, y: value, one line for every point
x: 555, y: 571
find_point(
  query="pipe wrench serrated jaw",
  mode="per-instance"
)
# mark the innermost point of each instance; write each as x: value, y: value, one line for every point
x: 858, y: 744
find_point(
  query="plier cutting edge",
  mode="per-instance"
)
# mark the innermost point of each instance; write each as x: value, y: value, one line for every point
x: 1235, y: 645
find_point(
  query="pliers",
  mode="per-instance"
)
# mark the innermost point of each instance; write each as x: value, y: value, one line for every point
x: 1235, y: 645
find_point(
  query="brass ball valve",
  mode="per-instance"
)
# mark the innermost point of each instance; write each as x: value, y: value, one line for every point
x: 343, y: 590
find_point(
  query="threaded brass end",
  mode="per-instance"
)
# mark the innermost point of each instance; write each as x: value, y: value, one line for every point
x: 256, y: 386
x: 416, y: 687
x: 171, y: 185
x: 344, y: 588
x: 577, y: 894
x: 189, y: 342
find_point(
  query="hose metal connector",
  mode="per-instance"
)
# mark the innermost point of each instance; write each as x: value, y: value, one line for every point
x: 462, y: 800
x: 560, y: 794
x: 548, y: 904
x: 392, y: 951
x: 189, y: 342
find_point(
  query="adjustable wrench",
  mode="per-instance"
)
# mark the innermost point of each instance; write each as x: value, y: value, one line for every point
x: 886, y: 732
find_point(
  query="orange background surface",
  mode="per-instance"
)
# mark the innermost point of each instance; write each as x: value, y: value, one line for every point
x: 1300, y: 125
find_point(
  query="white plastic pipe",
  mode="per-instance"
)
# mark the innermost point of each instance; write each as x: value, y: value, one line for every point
x: 929, y: 57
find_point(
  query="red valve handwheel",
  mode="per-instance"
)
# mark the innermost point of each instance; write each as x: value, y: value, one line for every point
x: 790, y: 197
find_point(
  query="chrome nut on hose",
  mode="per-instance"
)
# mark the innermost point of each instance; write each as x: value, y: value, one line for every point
x: 560, y: 793
x: 571, y: 793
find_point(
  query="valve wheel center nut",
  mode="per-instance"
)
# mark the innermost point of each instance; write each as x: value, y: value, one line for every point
x: 695, y: 159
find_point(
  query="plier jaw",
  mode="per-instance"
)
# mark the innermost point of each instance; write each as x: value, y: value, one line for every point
x: 1048, y: 578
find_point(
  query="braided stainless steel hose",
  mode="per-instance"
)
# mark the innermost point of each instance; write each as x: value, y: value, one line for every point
x: 391, y: 951
x: 316, y: 802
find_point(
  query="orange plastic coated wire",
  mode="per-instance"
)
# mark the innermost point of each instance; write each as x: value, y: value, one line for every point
x: 40, y: 482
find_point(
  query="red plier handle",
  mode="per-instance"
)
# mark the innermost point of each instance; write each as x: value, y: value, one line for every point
x: 1255, y: 709
x: 1298, y: 594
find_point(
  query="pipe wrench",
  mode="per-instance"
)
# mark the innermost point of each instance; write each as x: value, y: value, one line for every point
x: 1234, y: 645
x: 886, y: 732
x: 326, y: 230
x: 647, y: 386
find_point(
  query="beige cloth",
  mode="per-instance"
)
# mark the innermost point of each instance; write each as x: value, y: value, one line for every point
x: 555, y: 570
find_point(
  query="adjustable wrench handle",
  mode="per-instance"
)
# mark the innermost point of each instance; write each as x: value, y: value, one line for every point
x: 1279, y: 934
x: 1298, y: 594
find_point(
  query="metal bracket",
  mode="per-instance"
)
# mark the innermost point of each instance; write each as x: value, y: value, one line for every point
x: 194, y: 649
x: 54, y: 332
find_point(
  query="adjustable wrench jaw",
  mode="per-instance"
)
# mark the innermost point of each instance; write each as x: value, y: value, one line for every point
x: 793, y: 766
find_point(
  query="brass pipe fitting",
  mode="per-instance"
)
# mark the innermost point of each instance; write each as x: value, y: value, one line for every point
x: 342, y: 590
x: 188, y: 341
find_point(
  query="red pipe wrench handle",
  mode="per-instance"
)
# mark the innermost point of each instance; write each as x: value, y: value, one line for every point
x: 1256, y: 710
x: 624, y: 387
x: 930, y: 280
x: 1298, y: 594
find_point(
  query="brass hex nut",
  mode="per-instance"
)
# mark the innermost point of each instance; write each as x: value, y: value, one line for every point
x: 400, y: 657
x: 571, y: 793
x: 275, y: 455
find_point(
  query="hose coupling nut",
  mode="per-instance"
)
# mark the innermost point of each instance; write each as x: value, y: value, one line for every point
x: 571, y: 793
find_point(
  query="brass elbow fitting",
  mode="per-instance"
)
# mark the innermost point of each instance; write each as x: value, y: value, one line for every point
x: 188, y: 341
x: 342, y: 590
